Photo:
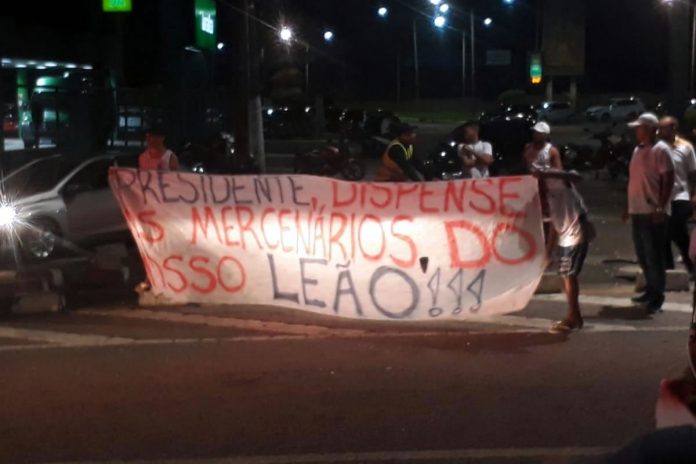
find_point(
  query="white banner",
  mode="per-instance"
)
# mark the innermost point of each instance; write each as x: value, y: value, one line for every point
x: 410, y: 251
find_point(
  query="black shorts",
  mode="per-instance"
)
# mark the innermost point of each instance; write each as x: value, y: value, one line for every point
x: 570, y: 260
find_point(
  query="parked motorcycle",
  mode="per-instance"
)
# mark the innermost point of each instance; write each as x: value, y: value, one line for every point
x: 619, y: 158
x: 330, y: 160
x: 216, y: 155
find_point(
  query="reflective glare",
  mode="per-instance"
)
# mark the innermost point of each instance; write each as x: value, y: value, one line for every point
x: 8, y: 215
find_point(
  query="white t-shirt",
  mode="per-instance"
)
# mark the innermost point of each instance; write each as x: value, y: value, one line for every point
x: 565, y: 210
x: 480, y: 171
x: 684, y: 160
x: 648, y: 164
x: 539, y: 158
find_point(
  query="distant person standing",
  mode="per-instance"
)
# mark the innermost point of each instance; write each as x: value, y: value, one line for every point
x: 476, y: 155
x: 650, y: 184
x: 684, y: 160
x: 540, y: 153
x: 156, y: 155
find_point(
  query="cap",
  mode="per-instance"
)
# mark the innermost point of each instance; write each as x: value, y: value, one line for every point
x: 542, y: 128
x: 403, y: 128
x: 645, y: 119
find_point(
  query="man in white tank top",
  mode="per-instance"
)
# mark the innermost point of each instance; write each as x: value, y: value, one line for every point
x: 540, y: 153
x: 156, y: 155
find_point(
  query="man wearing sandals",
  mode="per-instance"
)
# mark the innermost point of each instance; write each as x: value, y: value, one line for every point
x: 569, y: 237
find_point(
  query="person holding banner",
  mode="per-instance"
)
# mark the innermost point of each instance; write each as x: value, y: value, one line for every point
x: 569, y: 235
x: 540, y: 153
x: 156, y: 155
x: 476, y: 155
x: 398, y: 162
x: 158, y: 158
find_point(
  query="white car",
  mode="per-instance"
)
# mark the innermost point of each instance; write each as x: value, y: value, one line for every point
x: 555, y: 112
x: 618, y: 109
x: 56, y: 200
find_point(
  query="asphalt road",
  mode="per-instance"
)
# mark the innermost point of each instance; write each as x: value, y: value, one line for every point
x: 108, y: 382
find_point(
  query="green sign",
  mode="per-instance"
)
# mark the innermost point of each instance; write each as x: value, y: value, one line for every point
x: 206, y: 24
x: 117, y: 6
x: 536, y: 71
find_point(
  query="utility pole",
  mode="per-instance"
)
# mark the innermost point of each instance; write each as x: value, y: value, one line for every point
x: 692, y: 82
x: 473, y: 55
x: 306, y: 67
x: 398, y: 76
x: 416, y: 64
x: 254, y: 104
x: 464, y: 64
x: 679, y: 72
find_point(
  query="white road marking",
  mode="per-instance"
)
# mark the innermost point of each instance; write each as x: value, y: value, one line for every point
x: 226, y: 322
x: 612, y: 301
x: 60, y: 338
x: 394, y: 456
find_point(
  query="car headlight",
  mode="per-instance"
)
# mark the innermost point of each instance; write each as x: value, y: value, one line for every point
x: 8, y: 215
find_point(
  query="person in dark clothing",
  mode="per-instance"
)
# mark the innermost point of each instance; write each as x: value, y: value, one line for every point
x: 398, y: 163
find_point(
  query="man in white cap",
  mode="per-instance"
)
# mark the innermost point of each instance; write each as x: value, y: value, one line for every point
x: 650, y: 183
x: 540, y: 154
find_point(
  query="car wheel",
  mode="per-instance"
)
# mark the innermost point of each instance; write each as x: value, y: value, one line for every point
x: 41, y: 240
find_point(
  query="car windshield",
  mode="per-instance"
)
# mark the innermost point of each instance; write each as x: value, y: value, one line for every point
x: 37, y: 177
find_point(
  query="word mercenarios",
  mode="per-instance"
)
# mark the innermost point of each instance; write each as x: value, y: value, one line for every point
x: 410, y: 251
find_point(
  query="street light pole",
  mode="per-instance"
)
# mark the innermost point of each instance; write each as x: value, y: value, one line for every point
x: 693, y: 51
x: 416, y: 64
x: 307, y: 69
x: 473, y: 55
x: 464, y: 44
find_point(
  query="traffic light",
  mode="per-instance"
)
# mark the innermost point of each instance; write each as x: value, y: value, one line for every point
x: 536, y: 71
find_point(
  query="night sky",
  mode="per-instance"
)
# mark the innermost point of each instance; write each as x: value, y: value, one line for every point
x: 626, y: 39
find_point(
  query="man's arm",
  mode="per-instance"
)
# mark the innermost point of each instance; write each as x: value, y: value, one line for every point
x: 666, y: 186
x: 485, y: 156
x: 555, y: 155
x: 174, y: 163
x: 467, y: 156
x: 399, y: 157
x: 666, y: 168
x: 691, y: 168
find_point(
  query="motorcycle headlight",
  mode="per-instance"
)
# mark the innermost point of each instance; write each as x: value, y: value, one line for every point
x: 8, y: 215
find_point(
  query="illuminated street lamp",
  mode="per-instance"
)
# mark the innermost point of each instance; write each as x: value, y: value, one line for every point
x: 487, y: 22
x: 285, y: 34
x: 444, y: 8
x: 382, y: 11
x: 220, y: 46
x: 436, y: 2
x: 328, y: 36
x: 439, y: 21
